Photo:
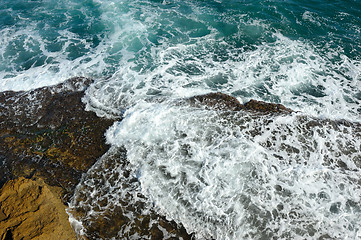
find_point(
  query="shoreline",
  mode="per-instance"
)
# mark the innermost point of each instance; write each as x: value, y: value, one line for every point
x: 48, y: 142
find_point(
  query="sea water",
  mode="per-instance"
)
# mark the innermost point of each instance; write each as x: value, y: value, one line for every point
x: 220, y: 175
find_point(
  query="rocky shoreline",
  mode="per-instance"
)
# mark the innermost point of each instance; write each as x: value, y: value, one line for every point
x: 48, y: 141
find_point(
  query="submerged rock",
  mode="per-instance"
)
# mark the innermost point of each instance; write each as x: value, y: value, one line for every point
x: 221, y: 101
x: 31, y: 209
x: 110, y: 204
x: 109, y: 200
x: 218, y: 101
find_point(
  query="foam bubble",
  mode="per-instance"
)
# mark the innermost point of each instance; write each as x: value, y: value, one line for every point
x: 312, y: 17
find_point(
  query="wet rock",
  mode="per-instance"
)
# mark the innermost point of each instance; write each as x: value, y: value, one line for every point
x: 218, y: 101
x: 110, y: 204
x: 30, y: 209
x: 262, y: 113
x: 221, y: 101
x: 263, y: 107
x: 46, y: 132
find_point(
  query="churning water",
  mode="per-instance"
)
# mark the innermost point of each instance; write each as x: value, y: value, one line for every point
x: 221, y: 175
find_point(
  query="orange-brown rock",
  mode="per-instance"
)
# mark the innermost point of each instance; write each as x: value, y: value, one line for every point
x: 31, y: 209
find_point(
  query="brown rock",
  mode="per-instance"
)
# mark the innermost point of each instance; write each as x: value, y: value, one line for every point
x: 46, y: 132
x: 264, y: 107
x: 221, y: 101
x: 218, y: 101
x: 127, y: 217
x: 30, y: 209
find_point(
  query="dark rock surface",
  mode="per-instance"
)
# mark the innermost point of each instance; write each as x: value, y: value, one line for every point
x: 46, y: 132
x: 108, y: 213
x: 218, y: 101
x: 263, y: 107
x: 221, y: 101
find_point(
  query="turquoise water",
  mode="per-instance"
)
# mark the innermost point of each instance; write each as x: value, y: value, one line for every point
x: 209, y: 43
x: 303, y: 54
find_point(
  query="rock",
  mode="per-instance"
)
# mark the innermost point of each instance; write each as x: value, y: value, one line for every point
x: 218, y: 101
x: 263, y: 107
x: 30, y: 209
x: 221, y: 101
x: 46, y: 132
x: 113, y: 207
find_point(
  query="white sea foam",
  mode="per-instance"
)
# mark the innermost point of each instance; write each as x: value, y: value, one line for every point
x: 145, y: 53
x: 291, y: 72
x: 286, y: 71
x: 28, y: 59
x: 241, y: 176
x: 58, y: 66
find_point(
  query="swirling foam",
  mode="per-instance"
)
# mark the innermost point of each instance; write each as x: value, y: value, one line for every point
x: 240, y: 176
